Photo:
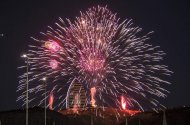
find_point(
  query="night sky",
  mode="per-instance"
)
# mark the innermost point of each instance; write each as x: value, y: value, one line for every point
x: 170, y: 21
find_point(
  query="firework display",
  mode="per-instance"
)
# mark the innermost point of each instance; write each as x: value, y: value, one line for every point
x: 106, y: 55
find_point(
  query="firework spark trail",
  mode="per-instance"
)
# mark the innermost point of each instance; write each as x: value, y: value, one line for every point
x: 98, y: 51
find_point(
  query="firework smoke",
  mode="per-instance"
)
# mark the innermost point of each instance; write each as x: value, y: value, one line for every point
x: 98, y: 51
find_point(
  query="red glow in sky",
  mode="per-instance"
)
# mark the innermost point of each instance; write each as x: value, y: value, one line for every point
x: 93, y: 92
x: 51, y: 99
x: 53, y: 64
x: 53, y: 46
x: 123, y: 103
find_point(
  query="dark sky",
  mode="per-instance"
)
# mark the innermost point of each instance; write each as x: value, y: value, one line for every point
x: 169, y: 19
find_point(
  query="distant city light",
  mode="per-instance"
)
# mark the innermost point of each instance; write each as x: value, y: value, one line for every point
x: 24, y: 56
x: 44, y: 78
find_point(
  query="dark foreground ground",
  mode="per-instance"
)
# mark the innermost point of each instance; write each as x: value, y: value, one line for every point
x: 90, y: 116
